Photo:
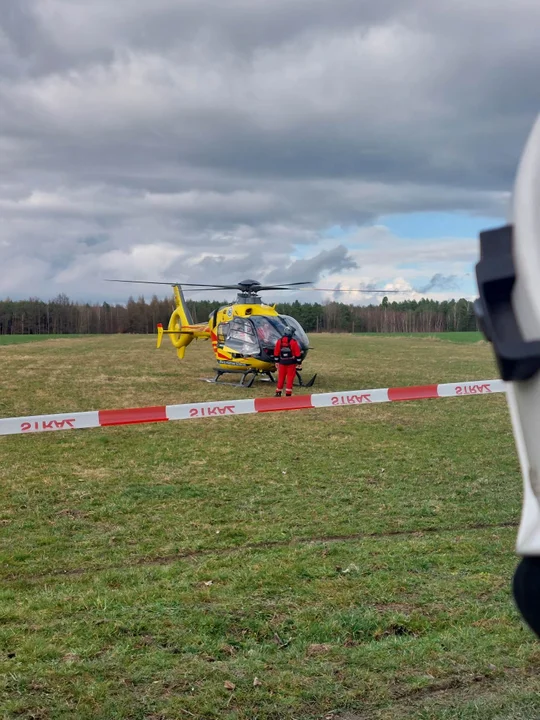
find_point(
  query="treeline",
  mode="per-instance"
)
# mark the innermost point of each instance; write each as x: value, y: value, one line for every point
x: 62, y: 316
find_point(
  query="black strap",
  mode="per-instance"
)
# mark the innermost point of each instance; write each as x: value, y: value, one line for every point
x: 517, y: 358
x: 526, y: 588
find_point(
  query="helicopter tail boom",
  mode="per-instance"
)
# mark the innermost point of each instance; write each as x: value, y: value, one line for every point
x: 181, y: 329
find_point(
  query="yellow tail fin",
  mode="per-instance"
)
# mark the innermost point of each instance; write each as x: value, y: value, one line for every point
x: 181, y: 329
x: 159, y: 335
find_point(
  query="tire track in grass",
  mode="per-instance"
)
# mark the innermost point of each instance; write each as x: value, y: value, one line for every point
x: 264, y: 545
x: 455, y: 687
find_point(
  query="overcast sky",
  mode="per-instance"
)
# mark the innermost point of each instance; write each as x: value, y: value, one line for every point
x: 340, y: 141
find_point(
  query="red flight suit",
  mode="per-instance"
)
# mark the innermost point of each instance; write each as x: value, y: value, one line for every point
x: 287, y: 355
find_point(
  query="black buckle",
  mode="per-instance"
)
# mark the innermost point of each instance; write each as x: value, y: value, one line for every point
x: 517, y: 358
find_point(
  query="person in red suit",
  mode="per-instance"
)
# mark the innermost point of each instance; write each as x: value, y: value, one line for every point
x: 288, y: 357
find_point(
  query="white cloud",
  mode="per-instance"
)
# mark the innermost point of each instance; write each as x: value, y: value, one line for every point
x: 200, y: 137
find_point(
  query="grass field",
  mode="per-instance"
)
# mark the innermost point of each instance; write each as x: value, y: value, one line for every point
x: 448, y: 336
x: 347, y: 563
x: 18, y: 339
x: 460, y: 337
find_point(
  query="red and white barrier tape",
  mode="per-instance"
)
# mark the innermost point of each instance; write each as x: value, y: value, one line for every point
x: 224, y: 408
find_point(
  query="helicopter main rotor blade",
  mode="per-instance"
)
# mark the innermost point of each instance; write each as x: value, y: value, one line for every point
x: 254, y: 289
x: 307, y: 282
x: 205, y: 289
x: 172, y: 284
x: 238, y: 286
x: 363, y: 291
x: 138, y: 282
x: 282, y: 286
x: 201, y: 287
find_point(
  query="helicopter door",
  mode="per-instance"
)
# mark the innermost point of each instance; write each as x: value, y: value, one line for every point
x: 241, y: 338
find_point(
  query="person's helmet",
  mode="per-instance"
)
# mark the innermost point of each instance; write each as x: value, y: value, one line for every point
x: 288, y: 332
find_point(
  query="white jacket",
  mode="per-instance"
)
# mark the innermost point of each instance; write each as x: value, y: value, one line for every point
x: 524, y: 397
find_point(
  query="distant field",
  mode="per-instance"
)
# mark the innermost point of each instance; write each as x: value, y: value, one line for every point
x: 343, y: 563
x: 18, y: 339
x: 460, y: 337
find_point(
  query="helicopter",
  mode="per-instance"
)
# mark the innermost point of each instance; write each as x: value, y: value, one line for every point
x: 243, y: 334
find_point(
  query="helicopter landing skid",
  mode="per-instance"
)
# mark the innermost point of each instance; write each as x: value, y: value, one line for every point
x: 301, y: 383
x: 247, y: 375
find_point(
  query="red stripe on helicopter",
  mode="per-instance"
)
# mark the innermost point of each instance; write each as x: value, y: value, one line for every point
x: 420, y: 392
x: 130, y: 416
x: 296, y: 402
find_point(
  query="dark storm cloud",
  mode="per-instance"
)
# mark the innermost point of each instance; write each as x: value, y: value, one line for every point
x: 310, y: 269
x: 440, y: 282
x: 199, y: 137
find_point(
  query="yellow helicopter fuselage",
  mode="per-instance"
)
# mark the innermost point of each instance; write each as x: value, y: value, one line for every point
x: 225, y: 350
x: 243, y: 334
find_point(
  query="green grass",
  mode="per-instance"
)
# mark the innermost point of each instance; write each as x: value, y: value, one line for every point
x: 459, y: 337
x: 18, y: 339
x: 356, y: 561
x: 449, y: 336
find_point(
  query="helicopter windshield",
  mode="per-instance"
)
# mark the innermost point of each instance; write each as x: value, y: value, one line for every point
x: 299, y: 334
x: 270, y: 329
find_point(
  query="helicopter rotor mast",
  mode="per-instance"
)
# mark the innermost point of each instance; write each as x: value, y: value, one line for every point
x: 249, y: 290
